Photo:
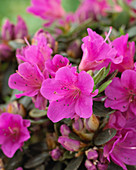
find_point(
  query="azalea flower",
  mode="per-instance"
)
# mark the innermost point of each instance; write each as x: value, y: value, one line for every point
x: 97, y: 53
x: 36, y: 54
x: 126, y: 50
x: 49, y: 10
x: 29, y: 80
x: 121, y: 93
x: 13, y: 133
x: 58, y: 61
x: 121, y: 149
x: 69, y: 93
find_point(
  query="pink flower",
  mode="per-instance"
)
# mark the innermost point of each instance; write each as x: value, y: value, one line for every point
x: 69, y: 93
x: 64, y: 130
x: 37, y: 54
x: 29, y: 80
x: 125, y: 49
x: 13, y: 133
x: 5, y: 51
x: 91, y: 9
x: 97, y: 53
x: 122, y: 147
x: 55, y: 154
x: 58, y: 61
x: 121, y: 93
x: 49, y: 10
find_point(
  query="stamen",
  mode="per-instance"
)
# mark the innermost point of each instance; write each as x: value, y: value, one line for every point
x: 107, y: 35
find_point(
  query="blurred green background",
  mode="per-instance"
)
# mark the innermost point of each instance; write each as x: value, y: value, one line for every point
x: 11, y: 8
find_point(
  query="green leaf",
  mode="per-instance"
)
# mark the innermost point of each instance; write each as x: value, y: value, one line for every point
x: 75, y: 163
x: 132, y: 31
x: 99, y: 75
x: 74, y: 136
x: 36, y: 113
x: 104, y: 85
x: 38, y: 122
x: 104, y: 136
x: 120, y: 19
x: 67, y: 155
x: 100, y: 110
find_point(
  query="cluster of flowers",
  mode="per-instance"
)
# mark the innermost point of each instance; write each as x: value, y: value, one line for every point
x: 66, y: 91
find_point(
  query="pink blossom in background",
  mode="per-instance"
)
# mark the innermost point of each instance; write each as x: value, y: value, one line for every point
x: 58, y: 61
x: 91, y: 9
x: 126, y: 50
x: 29, y: 80
x: 49, y: 10
x: 13, y: 133
x: 5, y: 51
x: 121, y: 149
x: 121, y: 93
x: 97, y: 53
x: 7, y: 31
x: 37, y: 54
x: 69, y: 93
x: 20, y: 29
x: 11, y: 31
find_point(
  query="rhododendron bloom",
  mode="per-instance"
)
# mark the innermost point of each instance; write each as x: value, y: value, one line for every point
x: 37, y: 54
x: 121, y: 93
x: 125, y: 49
x: 49, y: 10
x: 97, y: 53
x: 13, y: 133
x: 91, y: 9
x: 29, y: 80
x: 58, y: 61
x: 69, y: 93
x: 122, y: 147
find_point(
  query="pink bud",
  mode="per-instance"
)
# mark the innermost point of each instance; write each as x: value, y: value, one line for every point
x: 91, y: 154
x: 64, y: 129
x: 5, y: 52
x: 20, y: 29
x: 55, y: 154
x: 69, y: 144
x: 89, y: 165
x: 7, y: 31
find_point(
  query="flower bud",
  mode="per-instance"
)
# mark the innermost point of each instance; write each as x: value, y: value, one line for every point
x: 78, y: 126
x: 64, y: 129
x: 91, y: 154
x: 19, y: 168
x: 5, y: 52
x: 102, y: 166
x: 7, y: 31
x: 47, y: 35
x: 16, y: 108
x: 55, y: 154
x: 91, y: 123
x: 20, y: 29
x: 69, y: 144
x: 89, y: 165
x: 74, y: 49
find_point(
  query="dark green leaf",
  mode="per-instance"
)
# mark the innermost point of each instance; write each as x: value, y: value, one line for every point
x: 73, y: 136
x: 68, y: 155
x: 99, y: 75
x: 37, y: 160
x: 104, y: 136
x: 113, y: 166
x: 100, y: 110
x: 75, y: 163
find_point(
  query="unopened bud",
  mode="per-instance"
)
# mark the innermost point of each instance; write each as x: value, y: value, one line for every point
x: 7, y: 31
x: 91, y: 154
x: 70, y: 144
x: 16, y: 108
x: 89, y: 165
x: 64, y: 129
x: 91, y: 123
x: 55, y: 154
x: 78, y: 126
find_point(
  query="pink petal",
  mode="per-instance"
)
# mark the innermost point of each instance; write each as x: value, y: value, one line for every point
x: 83, y: 106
